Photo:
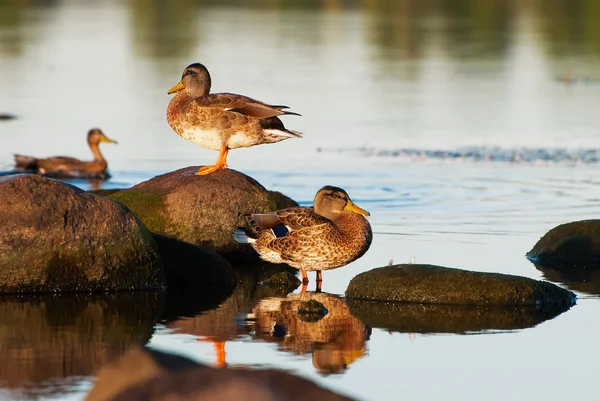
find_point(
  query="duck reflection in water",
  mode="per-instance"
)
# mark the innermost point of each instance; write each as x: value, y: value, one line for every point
x: 313, y: 322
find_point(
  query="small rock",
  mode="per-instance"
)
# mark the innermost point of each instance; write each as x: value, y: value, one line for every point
x: 55, y: 237
x: 203, y: 210
x: 574, y: 245
x: 443, y: 285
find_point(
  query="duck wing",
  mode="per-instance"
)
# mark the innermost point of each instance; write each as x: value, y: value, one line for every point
x: 293, y: 219
x: 244, y: 105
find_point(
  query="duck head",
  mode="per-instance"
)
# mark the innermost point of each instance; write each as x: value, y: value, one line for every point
x: 195, y: 80
x: 331, y: 201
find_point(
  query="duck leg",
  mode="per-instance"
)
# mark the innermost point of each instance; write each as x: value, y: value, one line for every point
x: 319, y: 276
x: 304, y: 276
x: 219, y: 165
x: 220, y: 353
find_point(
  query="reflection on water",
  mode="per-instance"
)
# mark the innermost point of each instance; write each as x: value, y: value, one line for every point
x: 48, y: 342
x: 585, y: 280
x: 459, y: 319
x: 333, y: 336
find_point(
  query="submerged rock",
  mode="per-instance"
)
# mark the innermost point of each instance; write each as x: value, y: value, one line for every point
x: 437, y: 318
x: 144, y: 374
x: 203, y: 210
x: 56, y: 237
x: 574, y: 245
x: 442, y: 285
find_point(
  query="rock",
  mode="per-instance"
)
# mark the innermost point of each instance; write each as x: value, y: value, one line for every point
x: 104, y: 192
x: 188, y: 264
x: 147, y: 375
x: 55, y: 237
x: 443, y: 285
x: 574, y: 245
x: 437, y: 318
x: 51, y: 340
x: 583, y: 280
x: 202, y: 210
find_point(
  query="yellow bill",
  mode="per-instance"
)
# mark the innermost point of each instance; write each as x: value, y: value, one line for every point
x: 353, y: 208
x: 176, y: 88
x: 106, y: 139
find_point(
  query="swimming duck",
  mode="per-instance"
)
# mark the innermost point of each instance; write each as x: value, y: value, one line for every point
x: 331, y: 234
x: 222, y: 121
x: 69, y: 167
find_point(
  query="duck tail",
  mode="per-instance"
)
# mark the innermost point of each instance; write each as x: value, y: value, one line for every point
x: 284, y: 133
x: 243, y: 235
x: 25, y: 162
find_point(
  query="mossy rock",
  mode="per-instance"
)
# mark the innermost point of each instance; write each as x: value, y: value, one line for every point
x: 203, y: 210
x: 55, y: 237
x: 459, y: 319
x: 574, y: 245
x: 443, y: 285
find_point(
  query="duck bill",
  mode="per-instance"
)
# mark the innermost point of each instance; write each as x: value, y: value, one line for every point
x: 176, y: 88
x: 107, y: 140
x: 353, y: 208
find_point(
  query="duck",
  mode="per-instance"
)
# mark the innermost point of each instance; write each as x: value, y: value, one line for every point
x: 69, y: 167
x: 222, y: 121
x: 330, y: 234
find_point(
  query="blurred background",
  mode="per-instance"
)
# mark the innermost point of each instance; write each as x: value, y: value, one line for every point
x: 388, y: 90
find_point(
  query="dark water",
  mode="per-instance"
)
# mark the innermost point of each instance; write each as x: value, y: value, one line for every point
x: 467, y: 128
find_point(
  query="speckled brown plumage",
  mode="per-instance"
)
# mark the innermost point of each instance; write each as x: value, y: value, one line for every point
x: 331, y: 234
x: 222, y: 121
x: 69, y: 167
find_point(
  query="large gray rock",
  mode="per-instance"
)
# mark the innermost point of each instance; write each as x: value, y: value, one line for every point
x: 574, y: 245
x: 203, y: 210
x: 443, y: 285
x: 55, y: 237
x: 147, y: 375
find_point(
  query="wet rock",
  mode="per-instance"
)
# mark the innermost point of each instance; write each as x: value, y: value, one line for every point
x: 202, y: 210
x: 189, y: 264
x: 47, y: 339
x: 574, y: 245
x: 460, y: 319
x: 55, y: 237
x: 443, y: 285
x: 144, y: 374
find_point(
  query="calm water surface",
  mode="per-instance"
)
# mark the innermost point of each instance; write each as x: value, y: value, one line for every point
x: 375, y: 75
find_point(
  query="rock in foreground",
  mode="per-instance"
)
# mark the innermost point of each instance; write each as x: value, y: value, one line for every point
x: 574, y: 245
x: 203, y: 210
x: 443, y: 285
x: 55, y: 237
x: 144, y: 374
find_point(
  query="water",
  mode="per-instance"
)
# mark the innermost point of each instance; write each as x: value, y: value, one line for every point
x: 379, y: 75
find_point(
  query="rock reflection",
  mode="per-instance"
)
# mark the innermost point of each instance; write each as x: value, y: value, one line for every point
x: 458, y: 319
x: 219, y: 324
x: 313, y: 322
x: 576, y: 279
x: 49, y: 341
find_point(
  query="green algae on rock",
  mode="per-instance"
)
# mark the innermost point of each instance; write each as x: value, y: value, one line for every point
x: 203, y: 210
x: 56, y: 237
x: 443, y: 285
x: 574, y: 245
x: 424, y: 318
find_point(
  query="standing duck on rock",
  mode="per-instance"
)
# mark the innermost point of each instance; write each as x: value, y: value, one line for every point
x: 222, y: 121
x: 331, y: 234
x: 69, y: 167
